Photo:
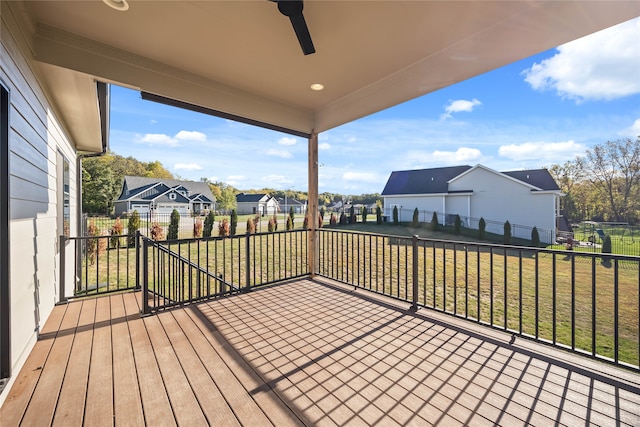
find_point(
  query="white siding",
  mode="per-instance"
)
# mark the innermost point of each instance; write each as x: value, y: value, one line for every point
x: 499, y: 198
x: 424, y: 203
x: 35, y: 136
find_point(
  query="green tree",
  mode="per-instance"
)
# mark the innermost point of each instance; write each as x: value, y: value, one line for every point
x: 133, y: 225
x: 227, y: 199
x: 292, y: 217
x: 98, y: 183
x: 289, y: 225
x: 352, y: 215
x: 234, y: 222
x: 535, y: 237
x: 606, y: 248
x: 395, y: 215
x: 364, y: 214
x: 507, y: 233
x: 174, y: 225
x: 378, y: 215
x: 434, y: 222
x: 457, y: 226
x: 416, y: 217
x: 482, y: 226
x: 156, y: 170
x: 208, y: 224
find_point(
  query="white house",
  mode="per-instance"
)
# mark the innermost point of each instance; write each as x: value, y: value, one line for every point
x: 527, y: 197
x: 163, y: 196
x: 257, y: 204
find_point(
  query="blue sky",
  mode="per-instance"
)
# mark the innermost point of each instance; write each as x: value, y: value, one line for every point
x: 545, y: 109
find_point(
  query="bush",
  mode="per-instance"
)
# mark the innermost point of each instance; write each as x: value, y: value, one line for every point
x: 457, y: 226
x: 251, y: 226
x: 116, y: 232
x: 322, y: 212
x: 320, y: 221
x: 378, y: 215
x: 234, y: 223
x: 507, y: 233
x: 208, y: 224
x: 292, y: 216
x: 535, y: 237
x: 256, y: 222
x: 482, y: 227
x: 197, y: 228
x: 343, y: 219
x: 133, y: 225
x: 364, y: 214
x: 97, y: 246
x: 273, y: 224
x: 157, y: 233
x: 416, y: 218
x: 395, y: 215
x: 352, y: 216
x: 224, y: 229
x: 434, y: 222
x: 174, y: 225
x: 305, y: 222
x: 289, y: 225
x: 333, y: 220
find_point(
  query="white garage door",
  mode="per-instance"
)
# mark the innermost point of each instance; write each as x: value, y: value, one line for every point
x: 140, y: 208
x: 167, y: 209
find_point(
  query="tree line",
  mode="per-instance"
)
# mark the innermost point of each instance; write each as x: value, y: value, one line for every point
x: 602, y: 185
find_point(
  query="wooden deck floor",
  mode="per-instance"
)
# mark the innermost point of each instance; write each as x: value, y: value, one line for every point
x: 302, y: 353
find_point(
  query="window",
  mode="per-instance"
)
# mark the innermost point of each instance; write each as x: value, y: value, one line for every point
x: 172, y: 196
x: 64, y: 199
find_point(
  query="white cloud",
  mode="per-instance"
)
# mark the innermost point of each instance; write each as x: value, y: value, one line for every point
x: 440, y: 157
x: 360, y: 176
x: 235, y: 180
x: 185, y: 135
x: 187, y: 166
x: 459, y: 106
x: 166, y: 140
x: 633, y: 130
x: 601, y: 66
x: 554, y: 152
x: 277, y: 179
x: 324, y: 146
x: 287, y: 141
x: 214, y: 179
x: 157, y: 139
x: 278, y: 153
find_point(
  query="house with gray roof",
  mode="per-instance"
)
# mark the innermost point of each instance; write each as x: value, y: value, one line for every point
x: 163, y: 196
x: 256, y: 204
x: 526, y: 197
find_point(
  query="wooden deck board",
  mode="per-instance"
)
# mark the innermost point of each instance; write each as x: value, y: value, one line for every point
x: 20, y: 394
x: 303, y: 353
x: 126, y: 392
x: 71, y: 403
x: 43, y: 402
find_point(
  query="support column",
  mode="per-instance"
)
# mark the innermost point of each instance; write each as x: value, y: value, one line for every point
x: 312, y: 169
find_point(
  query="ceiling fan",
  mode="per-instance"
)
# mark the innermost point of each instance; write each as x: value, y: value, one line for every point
x: 293, y: 9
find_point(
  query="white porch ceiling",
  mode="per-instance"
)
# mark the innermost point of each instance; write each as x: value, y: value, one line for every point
x: 243, y: 58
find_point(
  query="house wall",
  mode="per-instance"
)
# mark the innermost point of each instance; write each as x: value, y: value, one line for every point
x: 35, y: 138
x: 424, y: 202
x: 498, y: 198
x: 244, y: 208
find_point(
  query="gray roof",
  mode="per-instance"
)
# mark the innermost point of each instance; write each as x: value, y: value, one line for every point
x: 249, y: 198
x: 435, y: 180
x: 134, y: 185
x: 422, y: 181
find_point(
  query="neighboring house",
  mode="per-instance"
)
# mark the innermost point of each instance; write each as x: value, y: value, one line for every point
x: 260, y: 204
x: 527, y: 197
x: 288, y: 203
x: 163, y: 196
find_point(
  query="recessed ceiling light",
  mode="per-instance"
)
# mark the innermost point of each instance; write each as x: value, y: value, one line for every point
x: 317, y: 86
x: 120, y: 5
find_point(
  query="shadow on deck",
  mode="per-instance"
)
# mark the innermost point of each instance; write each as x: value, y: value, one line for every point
x: 302, y: 353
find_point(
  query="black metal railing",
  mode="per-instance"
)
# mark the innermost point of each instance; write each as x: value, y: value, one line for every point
x: 99, y: 264
x: 180, y: 271
x: 587, y: 303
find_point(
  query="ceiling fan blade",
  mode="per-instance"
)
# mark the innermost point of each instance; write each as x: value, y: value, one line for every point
x: 302, y: 32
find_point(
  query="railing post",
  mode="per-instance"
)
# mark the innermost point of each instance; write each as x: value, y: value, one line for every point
x: 137, y: 259
x: 63, y: 297
x: 145, y: 277
x: 247, y: 263
x: 414, y: 274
